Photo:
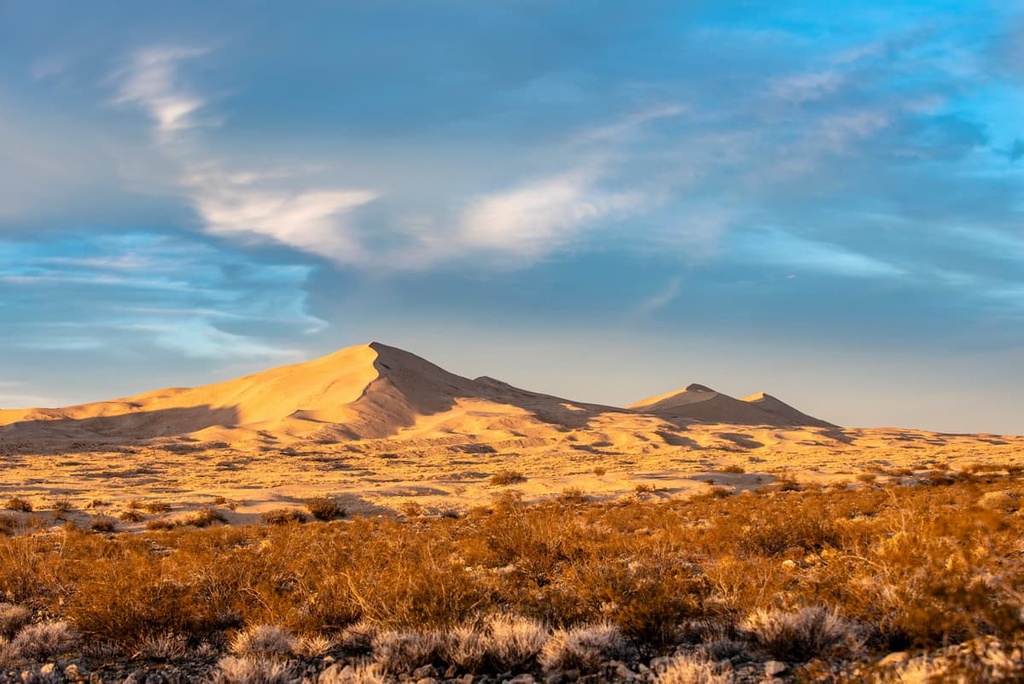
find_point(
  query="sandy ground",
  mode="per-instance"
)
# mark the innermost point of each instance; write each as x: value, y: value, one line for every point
x: 386, y: 432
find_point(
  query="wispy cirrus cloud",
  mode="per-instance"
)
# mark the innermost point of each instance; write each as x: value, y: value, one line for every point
x: 533, y: 219
x: 147, y: 290
x: 241, y: 203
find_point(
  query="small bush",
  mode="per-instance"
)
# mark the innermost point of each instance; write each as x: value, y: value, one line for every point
x: 160, y: 524
x: 503, y: 478
x: 690, y: 670
x: 467, y: 647
x: 12, y: 619
x: 204, y: 517
x: 733, y: 468
x: 325, y: 508
x: 103, y: 523
x: 583, y: 648
x: 810, y: 632
x: 166, y: 646
x: 866, y: 478
x: 264, y: 640
x: 361, y: 673
x: 43, y: 640
x: 572, y: 496
x: 130, y: 516
x: 8, y: 525
x: 232, y: 670
x: 401, y: 652
x: 61, y: 507
x: 283, y: 516
x: 156, y: 507
x: 515, y: 641
x: 16, y: 503
x: 600, y: 471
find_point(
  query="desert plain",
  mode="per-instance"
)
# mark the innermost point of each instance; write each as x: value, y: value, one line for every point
x: 388, y: 433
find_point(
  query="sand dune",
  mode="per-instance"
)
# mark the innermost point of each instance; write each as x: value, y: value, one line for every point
x: 383, y: 429
x: 367, y: 391
x: 701, y: 403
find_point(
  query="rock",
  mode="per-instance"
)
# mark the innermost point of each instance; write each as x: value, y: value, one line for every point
x: 774, y: 667
x: 555, y: 678
x: 660, y: 663
x: 621, y: 670
x: 426, y: 680
x: 522, y: 679
x: 897, y: 658
x: 424, y: 672
x: 73, y: 674
x: 572, y: 675
x: 643, y: 669
x: 467, y: 679
x: 451, y: 672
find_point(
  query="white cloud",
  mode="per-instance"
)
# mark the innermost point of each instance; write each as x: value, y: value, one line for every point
x: 779, y: 248
x: 314, y: 221
x: 535, y: 218
x: 243, y: 203
x: 151, y: 81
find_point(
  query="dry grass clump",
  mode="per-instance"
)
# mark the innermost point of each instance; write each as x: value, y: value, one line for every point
x: 153, y: 507
x: 264, y: 640
x: 399, y: 651
x: 103, y: 523
x: 361, y: 673
x: 204, y: 517
x: 514, y: 641
x: 17, y: 503
x: 583, y: 648
x: 503, y: 478
x: 13, y: 618
x: 325, y: 508
x: 283, y: 516
x: 41, y: 641
x: 691, y: 670
x: 166, y: 646
x: 233, y: 670
x: 801, y: 635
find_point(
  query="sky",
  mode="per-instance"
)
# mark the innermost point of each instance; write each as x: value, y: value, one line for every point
x: 600, y: 200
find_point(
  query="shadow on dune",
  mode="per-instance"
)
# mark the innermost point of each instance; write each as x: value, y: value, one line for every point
x: 136, y: 425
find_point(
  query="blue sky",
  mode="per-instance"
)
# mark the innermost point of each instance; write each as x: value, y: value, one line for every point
x: 597, y: 199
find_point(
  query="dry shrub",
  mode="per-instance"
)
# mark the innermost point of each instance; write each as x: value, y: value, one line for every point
x: 691, y: 670
x: 798, y: 636
x: 583, y: 648
x: 8, y: 524
x: 514, y: 641
x: 131, y: 516
x: 232, y: 670
x: 314, y: 645
x: 204, y: 517
x: 103, y: 524
x: 467, y: 647
x: 166, y: 646
x: 503, y: 478
x: 360, y: 673
x: 264, y: 640
x: 160, y: 524
x: 283, y: 516
x: 61, y: 506
x: 42, y: 641
x: 325, y: 508
x: 154, y: 507
x: 13, y: 618
x: 359, y: 636
x: 17, y: 503
x: 401, y: 652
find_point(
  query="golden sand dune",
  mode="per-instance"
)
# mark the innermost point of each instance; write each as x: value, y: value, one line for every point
x: 368, y: 391
x: 384, y: 429
x: 698, y: 402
